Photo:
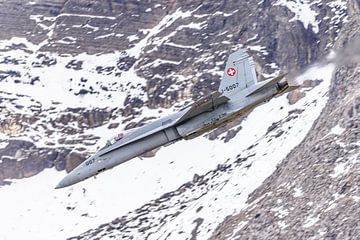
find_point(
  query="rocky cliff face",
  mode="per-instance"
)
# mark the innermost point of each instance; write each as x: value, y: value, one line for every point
x: 314, y: 191
x: 123, y: 64
x: 178, y: 49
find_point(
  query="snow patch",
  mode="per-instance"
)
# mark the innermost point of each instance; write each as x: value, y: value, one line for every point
x: 297, y: 192
x: 164, y: 23
x: 339, y: 169
x: 282, y: 224
x: 303, y: 12
x: 104, y: 36
x: 193, y: 25
x: 280, y: 212
x: 344, y: 167
x: 356, y: 198
x: 258, y: 48
x: 310, y: 221
x: 132, y: 38
x: 337, y: 130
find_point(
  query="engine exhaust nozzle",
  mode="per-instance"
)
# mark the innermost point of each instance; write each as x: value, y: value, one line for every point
x: 282, y: 86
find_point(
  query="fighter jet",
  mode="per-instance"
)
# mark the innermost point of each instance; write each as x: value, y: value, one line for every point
x: 238, y: 93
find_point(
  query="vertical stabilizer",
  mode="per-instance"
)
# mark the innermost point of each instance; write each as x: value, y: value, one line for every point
x: 239, y: 73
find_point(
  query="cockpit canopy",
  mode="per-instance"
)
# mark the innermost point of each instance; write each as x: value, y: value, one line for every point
x: 114, y: 139
x: 118, y: 137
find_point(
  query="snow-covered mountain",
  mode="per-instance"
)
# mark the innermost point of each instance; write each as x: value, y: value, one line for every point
x: 73, y: 73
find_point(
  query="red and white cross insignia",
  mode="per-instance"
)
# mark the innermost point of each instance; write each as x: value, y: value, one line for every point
x: 231, y: 72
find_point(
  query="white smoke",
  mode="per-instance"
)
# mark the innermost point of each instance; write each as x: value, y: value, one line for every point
x: 348, y: 55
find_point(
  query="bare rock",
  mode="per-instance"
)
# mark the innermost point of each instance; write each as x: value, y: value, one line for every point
x: 295, y: 96
x: 73, y: 160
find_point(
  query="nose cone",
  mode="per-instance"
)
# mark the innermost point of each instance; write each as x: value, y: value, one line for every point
x: 70, y: 179
x: 78, y: 174
x: 89, y: 168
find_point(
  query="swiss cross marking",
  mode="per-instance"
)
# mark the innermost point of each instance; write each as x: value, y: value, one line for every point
x: 231, y: 72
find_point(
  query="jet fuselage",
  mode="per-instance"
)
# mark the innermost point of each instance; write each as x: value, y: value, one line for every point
x: 110, y: 156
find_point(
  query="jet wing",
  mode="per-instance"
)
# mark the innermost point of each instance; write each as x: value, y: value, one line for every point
x: 266, y: 84
x: 204, y: 104
x: 207, y: 103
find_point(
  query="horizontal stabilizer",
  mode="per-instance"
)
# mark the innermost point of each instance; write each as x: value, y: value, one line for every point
x: 266, y: 84
x: 204, y: 104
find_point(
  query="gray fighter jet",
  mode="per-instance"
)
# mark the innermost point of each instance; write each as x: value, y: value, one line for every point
x: 238, y: 93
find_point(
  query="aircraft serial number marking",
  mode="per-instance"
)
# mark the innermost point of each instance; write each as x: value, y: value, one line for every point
x: 230, y: 87
x: 91, y: 161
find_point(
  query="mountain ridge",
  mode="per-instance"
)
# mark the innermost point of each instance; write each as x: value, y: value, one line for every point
x: 156, y: 58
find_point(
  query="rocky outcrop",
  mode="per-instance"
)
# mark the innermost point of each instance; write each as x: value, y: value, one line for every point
x: 24, y: 159
x: 72, y: 160
x: 21, y: 159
